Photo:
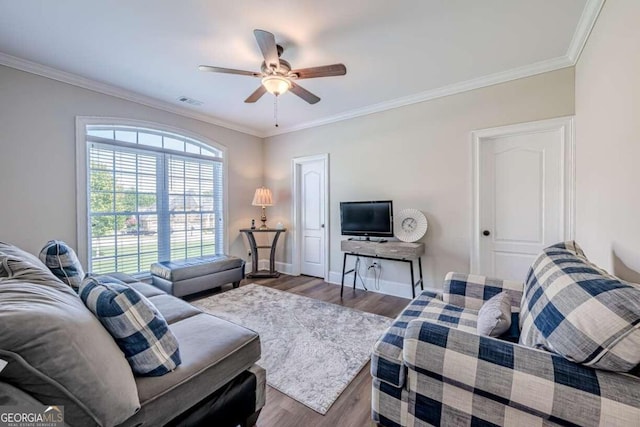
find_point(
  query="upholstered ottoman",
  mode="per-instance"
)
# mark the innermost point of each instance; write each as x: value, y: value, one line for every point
x: 180, y: 278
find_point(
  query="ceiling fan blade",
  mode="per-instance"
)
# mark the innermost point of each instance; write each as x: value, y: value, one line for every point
x: 303, y: 93
x: 228, y: 71
x: 267, y: 43
x: 257, y: 94
x: 323, y: 71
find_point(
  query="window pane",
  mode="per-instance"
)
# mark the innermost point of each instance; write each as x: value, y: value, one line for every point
x: 101, y: 133
x: 206, y: 172
x: 147, y: 165
x: 146, y: 259
x: 125, y: 181
x: 148, y: 226
x: 192, y: 186
x: 192, y: 148
x: 101, y: 159
x: 206, y: 203
x: 173, y: 144
x: 150, y: 139
x: 146, y: 202
x: 102, y: 202
x: 125, y: 202
x: 146, y: 183
x: 125, y: 162
x: 208, y: 237
x: 191, y: 203
x: 128, y: 264
x: 128, y: 242
x: 176, y: 203
x: 103, y: 265
x: 126, y: 136
x: 178, y: 225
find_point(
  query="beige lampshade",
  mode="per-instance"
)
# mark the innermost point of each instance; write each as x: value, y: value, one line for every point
x: 262, y: 197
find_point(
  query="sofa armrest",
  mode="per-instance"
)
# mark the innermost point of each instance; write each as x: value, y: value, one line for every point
x: 522, y: 378
x: 471, y: 291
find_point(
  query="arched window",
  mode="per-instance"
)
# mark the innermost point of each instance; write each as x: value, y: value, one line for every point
x: 151, y: 196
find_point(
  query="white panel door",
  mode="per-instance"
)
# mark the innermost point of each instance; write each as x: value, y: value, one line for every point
x: 521, y: 200
x: 312, y: 211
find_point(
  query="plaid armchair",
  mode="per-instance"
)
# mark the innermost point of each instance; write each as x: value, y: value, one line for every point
x: 431, y: 368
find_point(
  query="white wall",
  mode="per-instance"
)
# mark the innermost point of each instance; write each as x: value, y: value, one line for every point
x: 608, y: 141
x: 418, y: 156
x: 37, y: 157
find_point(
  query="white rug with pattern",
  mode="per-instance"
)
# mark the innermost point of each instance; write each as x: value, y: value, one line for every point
x: 311, y: 349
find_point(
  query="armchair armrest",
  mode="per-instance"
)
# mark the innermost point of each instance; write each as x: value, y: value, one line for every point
x: 471, y: 291
x: 489, y: 373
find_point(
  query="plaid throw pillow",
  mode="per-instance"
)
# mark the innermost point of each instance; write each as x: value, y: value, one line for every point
x: 134, y: 322
x: 575, y: 309
x: 63, y: 262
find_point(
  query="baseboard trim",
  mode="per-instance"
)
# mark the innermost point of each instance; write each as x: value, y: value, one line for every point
x: 263, y: 264
x: 387, y: 287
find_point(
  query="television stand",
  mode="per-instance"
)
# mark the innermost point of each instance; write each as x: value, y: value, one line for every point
x: 390, y: 251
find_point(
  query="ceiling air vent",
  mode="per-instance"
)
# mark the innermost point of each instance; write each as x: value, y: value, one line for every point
x: 190, y: 101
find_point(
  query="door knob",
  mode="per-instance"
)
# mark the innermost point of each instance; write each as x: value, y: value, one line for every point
x: 486, y: 233
x: 321, y: 225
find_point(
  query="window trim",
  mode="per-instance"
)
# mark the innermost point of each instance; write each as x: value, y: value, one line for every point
x: 82, y: 206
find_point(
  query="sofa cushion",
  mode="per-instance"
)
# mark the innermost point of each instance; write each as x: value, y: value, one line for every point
x: 571, y: 246
x: 572, y: 308
x: 56, y: 350
x: 494, y: 317
x: 61, y: 259
x: 146, y: 289
x: 213, y: 352
x: 386, y: 360
x: 472, y: 290
x: 16, y: 252
x: 136, y: 325
x: 173, y: 309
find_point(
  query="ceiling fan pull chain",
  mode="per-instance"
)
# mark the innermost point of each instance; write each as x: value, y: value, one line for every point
x: 275, y: 109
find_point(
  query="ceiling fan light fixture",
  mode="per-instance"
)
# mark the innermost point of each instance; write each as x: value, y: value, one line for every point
x: 276, y: 85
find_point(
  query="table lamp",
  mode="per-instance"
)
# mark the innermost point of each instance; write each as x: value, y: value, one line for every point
x: 263, y: 198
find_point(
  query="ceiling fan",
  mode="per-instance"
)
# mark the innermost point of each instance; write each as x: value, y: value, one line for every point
x: 277, y: 75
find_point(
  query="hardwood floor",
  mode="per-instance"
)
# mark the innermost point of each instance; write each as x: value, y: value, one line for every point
x: 353, y: 407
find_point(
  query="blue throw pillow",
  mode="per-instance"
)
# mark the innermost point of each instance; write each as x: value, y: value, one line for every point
x: 576, y: 309
x: 63, y: 262
x: 134, y: 322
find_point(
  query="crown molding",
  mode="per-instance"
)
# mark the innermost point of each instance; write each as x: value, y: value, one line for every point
x: 490, y: 80
x: 583, y: 29
x: 85, y: 83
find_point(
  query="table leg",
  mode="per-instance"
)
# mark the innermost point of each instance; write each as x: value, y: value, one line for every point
x: 344, y: 266
x: 355, y: 272
x: 254, y: 252
x: 413, y: 284
x: 272, y: 256
x: 420, y: 269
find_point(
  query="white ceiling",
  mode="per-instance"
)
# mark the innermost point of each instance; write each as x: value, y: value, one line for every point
x: 396, y: 52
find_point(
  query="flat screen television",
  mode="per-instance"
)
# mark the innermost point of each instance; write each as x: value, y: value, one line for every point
x: 369, y: 219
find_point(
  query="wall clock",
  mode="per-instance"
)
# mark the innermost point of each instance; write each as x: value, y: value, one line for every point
x: 411, y: 225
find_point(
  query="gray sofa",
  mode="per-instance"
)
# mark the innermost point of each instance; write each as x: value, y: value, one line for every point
x: 58, y: 353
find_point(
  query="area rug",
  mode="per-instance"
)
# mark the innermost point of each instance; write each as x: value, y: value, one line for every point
x: 311, y: 349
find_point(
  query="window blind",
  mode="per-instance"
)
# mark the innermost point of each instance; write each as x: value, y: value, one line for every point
x: 149, y: 203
